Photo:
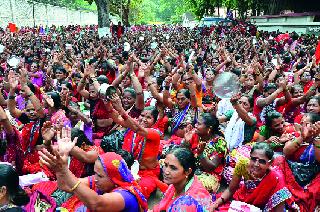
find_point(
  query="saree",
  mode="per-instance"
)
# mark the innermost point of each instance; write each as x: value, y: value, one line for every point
x: 144, y: 148
x: 117, y: 171
x: 215, y: 148
x: 183, y: 117
x: 306, y: 194
x: 265, y: 194
x: 195, y: 198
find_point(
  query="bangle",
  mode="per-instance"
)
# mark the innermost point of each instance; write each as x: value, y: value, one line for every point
x: 30, y: 94
x: 317, y: 146
x: 75, y: 186
x: 167, y: 87
x: 295, y: 141
x: 12, y: 97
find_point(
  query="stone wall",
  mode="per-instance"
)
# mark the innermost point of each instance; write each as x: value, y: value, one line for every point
x: 27, y: 13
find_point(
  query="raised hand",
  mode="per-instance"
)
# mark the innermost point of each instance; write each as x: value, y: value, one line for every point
x: 3, y: 115
x: 65, y: 145
x: 235, y: 98
x: 47, y: 131
x: 49, y: 100
x: 13, y: 81
x: 116, y: 102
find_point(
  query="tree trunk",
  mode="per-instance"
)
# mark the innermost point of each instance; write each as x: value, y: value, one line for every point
x: 103, y: 13
x: 125, y: 15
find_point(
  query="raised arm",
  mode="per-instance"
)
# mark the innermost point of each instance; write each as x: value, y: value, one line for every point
x: 4, y: 121
x: 138, y: 88
x: 11, y: 98
x: 261, y: 102
x: 127, y: 120
x: 243, y: 114
x: 58, y: 162
x: 167, y: 101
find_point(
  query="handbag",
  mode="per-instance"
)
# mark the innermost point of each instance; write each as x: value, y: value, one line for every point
x: 303, y: 173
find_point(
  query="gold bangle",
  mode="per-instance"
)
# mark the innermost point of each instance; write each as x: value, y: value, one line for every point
x: 75, y: 186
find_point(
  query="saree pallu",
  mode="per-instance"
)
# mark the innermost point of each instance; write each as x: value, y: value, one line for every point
x: 195, y: 199
x: 268, y: 194
x: 149, y: 181
x: 306, y: 197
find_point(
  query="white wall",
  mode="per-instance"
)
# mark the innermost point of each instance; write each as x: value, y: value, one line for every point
x: 20, y: 12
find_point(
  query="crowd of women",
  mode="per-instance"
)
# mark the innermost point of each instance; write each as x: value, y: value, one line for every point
x: 109, y: 122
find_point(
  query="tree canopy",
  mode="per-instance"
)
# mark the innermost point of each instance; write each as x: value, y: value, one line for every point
x: 146, y: 11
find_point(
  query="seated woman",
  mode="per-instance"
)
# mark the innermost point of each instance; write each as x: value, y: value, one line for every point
x: 242, y: 123
x: 112, y: 187
x: 32, y: 117
x: 186, y: 192
x: 273, y: 130
x: 9, y: 142
x: 210, y: 149
x: 297, y: 104
x: 12, y: 196
x: 143, y: 141
x: 184, y: 112
x: 313, y: 106
x: 263, y: 186
x: 301, y: 164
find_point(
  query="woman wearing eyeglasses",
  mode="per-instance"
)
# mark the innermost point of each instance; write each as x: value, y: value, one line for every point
x: 301, y: 164
x: 262, y: 184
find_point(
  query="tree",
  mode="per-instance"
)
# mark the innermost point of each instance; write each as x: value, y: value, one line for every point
x: 103, y: 12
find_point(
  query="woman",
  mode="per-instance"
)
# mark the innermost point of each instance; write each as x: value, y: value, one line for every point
x: 32, y: 117
x: 274, y: 129
x: 242, y: 123
x: 112, y: 187
x: 143, y: 141
x: 36, y: 75
x: 185, y: 193
x: 184, y: 112
x: 313, y: 106
x: 296, y: 106
x: 12, y: 196
x: 10, y: 149
x: 262, y: 184
x: 210, y: 149
x: 301, y: 164
x: 208, y: 95
x: 57, y: 115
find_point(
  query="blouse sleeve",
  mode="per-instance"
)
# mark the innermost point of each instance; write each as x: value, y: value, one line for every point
x: 241, y: 168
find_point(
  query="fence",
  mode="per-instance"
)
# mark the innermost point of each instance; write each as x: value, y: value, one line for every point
x: 27, y: 13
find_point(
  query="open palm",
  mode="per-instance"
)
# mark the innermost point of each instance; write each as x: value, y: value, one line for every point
x: 65, y: 145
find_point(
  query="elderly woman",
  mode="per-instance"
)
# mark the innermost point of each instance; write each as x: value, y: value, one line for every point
x: 12, y: 196
x: 185, y: 193
x: 112, y: 186
x: 262, y: 184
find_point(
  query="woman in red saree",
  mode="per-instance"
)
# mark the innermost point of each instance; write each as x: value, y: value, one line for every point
x: 186, y: 192
x: 263, y: 186
x: 301, y: 164
x: 143, y: 142
x: 32, y: 117
x: 112, y: 187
